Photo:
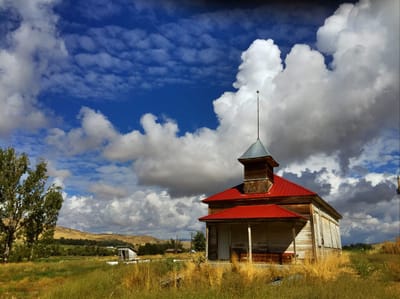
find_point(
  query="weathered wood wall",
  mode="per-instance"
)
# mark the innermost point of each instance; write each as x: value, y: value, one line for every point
x: 257, y: 186
x: 326, y: 233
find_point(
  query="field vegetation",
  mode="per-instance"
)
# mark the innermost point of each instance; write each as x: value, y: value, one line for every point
x: 74, y: 234
x: 72, y: 242
x: 360, y: 274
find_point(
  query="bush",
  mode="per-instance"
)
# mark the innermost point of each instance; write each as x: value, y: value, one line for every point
x: 199, y: 241
x: 19, y: 253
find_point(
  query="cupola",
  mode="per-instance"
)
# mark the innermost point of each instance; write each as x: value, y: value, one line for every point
x: 258, y: 169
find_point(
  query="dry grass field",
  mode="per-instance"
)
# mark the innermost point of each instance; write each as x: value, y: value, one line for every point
x: 374, y: 274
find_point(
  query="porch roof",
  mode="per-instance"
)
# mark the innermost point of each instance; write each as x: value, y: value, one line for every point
x: 261, y: 212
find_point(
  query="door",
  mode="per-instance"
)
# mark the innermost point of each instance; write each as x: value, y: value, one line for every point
x: 224, y: 241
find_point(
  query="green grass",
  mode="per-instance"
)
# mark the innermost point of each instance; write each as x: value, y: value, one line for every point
x: 29, y: 279
x: 384, y: 267
x: 355, y: 275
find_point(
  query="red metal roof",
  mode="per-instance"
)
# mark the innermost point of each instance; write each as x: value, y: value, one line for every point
x: 280, y: 188
x: 253, y: 212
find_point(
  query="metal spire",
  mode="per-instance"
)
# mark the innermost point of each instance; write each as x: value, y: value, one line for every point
x: 258, y: 115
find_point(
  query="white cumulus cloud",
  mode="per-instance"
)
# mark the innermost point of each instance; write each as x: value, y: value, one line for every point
x: 24, y: 61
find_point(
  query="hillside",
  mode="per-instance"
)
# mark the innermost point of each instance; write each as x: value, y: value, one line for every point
x: 69, y: 233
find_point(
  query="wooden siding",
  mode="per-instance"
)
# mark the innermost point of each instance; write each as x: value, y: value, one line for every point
x: 326, y: 233
x: 255, y: 171
x: 215, y: 210
x: 304, y: 238
x: 304, y: 245
x: 292, y: 200
x: 274, y: 237
x: 257, y: 186
x: 302, y: 209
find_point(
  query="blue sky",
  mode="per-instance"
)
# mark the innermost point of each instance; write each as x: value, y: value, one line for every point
x: 141, y: 108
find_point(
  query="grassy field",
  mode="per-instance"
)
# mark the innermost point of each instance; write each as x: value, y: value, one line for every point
x: 352, y: 275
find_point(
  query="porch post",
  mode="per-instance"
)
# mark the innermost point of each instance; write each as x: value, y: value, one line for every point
x: 250, y: 243
x: 294, y: 241
x: 207, y: 236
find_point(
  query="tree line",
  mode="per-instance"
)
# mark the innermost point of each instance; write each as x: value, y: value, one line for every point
x: 87, y: 242
x: 357, y: 247
x: 197, y: 243
x: 160, y: 248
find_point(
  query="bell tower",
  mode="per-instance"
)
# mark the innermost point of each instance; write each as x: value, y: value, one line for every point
x: 258, y: 169
x: 258, y: 165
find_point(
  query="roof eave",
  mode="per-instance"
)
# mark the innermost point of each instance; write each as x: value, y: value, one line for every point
x: 291, y: 219
x: 238, y: 199
x: 327, y: 206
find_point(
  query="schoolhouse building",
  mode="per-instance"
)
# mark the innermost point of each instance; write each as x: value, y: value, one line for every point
x: 268, y: 218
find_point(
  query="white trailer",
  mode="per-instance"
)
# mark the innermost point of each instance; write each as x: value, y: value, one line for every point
x: 127, y: 254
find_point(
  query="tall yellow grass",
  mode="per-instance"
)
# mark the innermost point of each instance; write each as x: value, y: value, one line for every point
x: 213, y: 275
x: 328, y: 268
x: 391, y: 247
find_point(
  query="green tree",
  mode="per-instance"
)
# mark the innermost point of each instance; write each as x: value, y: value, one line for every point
x: 28, y: 209
x: 199, y: 241
x: 174, y: 244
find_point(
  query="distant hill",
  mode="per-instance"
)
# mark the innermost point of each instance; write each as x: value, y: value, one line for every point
x: 69, y: 233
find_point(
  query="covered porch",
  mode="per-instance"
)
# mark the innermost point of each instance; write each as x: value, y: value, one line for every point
x: 263, y: 233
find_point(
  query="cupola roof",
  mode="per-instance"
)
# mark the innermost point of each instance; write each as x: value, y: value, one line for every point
x: 256, y: 150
